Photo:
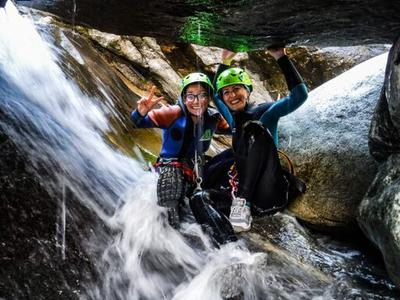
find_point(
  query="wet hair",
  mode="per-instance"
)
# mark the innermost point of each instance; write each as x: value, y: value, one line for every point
x: 204, y: 85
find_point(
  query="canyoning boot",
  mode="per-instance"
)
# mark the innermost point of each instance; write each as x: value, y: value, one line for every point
x: 213, y: 222
x: 240, y: 215
x: 171, y: 187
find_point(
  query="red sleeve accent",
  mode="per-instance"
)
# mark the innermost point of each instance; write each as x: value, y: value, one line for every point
x: 222, y: 125
x: 163, y: 117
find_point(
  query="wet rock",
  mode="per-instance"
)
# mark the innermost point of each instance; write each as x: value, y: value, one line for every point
x: 311, y: 260
x: 119, y: 45
x: 267, y: 273
x: 145, y: 53
x: 392, y: 83
x: 317, y: 65
x: 379, y: 214
x: 239, y: 25
x: 384, y: 135
x: 327, y: 140
x: 35, y: 260
x: 121, y: 83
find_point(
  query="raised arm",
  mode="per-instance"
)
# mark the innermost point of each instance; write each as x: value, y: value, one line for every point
x: 144, y: 105
x: 298, y: 90
x: 226, y: 58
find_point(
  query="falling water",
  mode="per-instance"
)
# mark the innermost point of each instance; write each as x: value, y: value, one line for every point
x: 61, y: 130
x: 63, y: 221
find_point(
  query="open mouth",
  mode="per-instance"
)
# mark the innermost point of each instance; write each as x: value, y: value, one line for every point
x: 235, y: 101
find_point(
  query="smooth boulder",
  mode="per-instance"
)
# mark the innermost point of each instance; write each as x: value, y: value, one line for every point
x: 327, y: 138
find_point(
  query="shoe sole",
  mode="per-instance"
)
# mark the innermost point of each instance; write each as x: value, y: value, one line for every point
x: 240, y: 227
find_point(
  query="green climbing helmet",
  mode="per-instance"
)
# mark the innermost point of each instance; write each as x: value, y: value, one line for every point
x: 234, y: 76
x: 192, y: 78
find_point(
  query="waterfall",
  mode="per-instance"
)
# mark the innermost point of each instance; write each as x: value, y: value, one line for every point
x: 60, y: 130
x: 51, y: 120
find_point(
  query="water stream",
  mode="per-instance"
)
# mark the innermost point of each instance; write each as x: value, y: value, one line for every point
x: 61, y: 129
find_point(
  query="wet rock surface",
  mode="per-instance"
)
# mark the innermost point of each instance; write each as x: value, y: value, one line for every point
x: 39, y: 259
x: 313, y: 253
x: 316, y: 65
x: 327, y: 140
x: 384, y: 134
x: 379, y: 214
x: 240, y: 25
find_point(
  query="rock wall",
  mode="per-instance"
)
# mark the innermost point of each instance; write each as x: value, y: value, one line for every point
x: 384, y: 135
x: 239, y: 25
x: 379, y: 214
x: 37, y: 256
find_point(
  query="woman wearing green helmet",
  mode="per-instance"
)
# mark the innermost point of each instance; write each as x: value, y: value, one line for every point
x: 262, y: 185
x: 188, y: 127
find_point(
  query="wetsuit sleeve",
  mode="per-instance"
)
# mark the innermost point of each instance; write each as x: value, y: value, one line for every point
x: 297, y: 96
x: 223, y: 110
x: 161, y: 117
x: 219, y: 103
x: 220, y: 69
x: 290, y: 72
x: 140, y: 121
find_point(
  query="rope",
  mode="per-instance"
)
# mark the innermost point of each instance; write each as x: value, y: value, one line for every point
x: 197, y: 176
x: 288, y: 161
x: 233, y: 180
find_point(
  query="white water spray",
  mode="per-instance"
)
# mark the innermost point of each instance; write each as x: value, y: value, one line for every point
x: 65, y: 125
x: 62, y: 130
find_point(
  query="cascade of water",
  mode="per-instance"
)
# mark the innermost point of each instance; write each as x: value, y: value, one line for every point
x: 73, y: 14
x: 63, y: 221
x: 60, y: 129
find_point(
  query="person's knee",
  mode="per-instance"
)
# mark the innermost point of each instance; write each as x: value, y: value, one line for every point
x: 212, y: 221
x: 256, y: 135
x: 254, y: 128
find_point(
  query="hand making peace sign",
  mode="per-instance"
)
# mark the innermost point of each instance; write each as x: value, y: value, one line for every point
x: 145, y: 104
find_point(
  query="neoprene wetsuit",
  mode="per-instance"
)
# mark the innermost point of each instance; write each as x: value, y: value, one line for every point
x: 261, y: 179
x: 181, y: 138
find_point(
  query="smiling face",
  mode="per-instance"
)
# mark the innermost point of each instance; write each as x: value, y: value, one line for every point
x: 196, y: 99
x: 235, y: 96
